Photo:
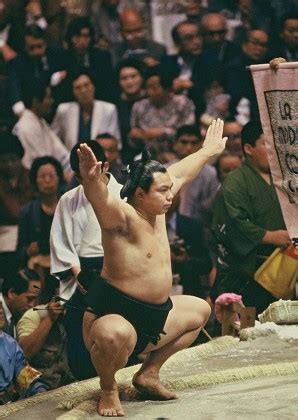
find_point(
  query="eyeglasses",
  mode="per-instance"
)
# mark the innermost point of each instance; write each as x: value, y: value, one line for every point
x: 259, y: 43
x: 233, y: 136
x: 190, y: 37
x: 219, y: 32
x: 36, y: 46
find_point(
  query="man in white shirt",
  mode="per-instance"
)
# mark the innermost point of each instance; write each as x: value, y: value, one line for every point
x: 19, y: 293
x: 36, y: 136
x: 86, y: 117
x: 76, y: 244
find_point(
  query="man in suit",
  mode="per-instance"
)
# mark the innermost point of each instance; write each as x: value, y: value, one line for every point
x: 135, y: 44
x: 37, y: 61
x: 85, y: 117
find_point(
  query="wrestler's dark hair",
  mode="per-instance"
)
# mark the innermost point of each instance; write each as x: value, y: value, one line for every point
x: 191, y: 130
x: 140, y: 174
x: 96, y: 149
x: 19, y: 280
x: 251, y: 132
x: 45, y: 160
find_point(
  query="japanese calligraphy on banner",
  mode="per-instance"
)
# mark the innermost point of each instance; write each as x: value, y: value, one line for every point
x: 277, y: 95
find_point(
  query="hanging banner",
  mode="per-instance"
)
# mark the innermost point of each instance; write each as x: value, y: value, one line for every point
x: 277, y: 95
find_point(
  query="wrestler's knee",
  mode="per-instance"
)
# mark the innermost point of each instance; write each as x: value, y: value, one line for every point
x: 201, y: 310
x: 112, y: 332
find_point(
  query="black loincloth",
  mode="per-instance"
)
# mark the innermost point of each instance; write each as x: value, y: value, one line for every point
x: 147, y: 319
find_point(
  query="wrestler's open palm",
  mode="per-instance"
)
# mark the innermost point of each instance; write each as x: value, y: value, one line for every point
x: 214, y: 143
x: 90, y: 168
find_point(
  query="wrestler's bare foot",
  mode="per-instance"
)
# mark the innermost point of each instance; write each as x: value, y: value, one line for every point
x: 150, y: 386
x: 109, y: 404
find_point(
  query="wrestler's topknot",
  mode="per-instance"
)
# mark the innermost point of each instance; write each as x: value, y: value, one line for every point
x: 140, y: 174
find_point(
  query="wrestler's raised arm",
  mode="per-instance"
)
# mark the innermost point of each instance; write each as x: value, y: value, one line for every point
x: 188, y: 168
x: 108, y: 210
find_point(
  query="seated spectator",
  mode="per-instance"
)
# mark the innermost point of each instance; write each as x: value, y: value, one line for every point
x: 17, y: 379
x: 36, y: 217
x: 105, y: 18
x: 232, y: 130
x: 217, y: 49
x: 226, y: 163
x: 135, y: 44
x: 42, y: 337
x: 186, y: 66
x: 19, y: 293
x: 34, y: 14
x: 194, y: 10
x: 239, y: 84
x: 155, y: 119
x: 15, y: 192
x: 196, y: 198
x: 131, y: 81
x: 36, y: 136
x: 81, y: 55
x: 109, y: 145
x: 85, y: 117
x: 36, y: 61
x: 288, y: 38
x: 189, y: 253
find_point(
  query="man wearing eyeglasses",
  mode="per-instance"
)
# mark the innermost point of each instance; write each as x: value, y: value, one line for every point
x: 38, y: 61
x: 217, y: 49
x: 239, y: 84
x: 135, y: 44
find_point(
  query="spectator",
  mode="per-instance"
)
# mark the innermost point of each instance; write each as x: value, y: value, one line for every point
x: 17, y: 379
x: 81, y: 55
x: 135, y: 44
x: 232, y: 130
x: 42, y: 337
x: 106, y: 22
x: 131, y: 81
x: 19, y: 293
x: 239, y: 84
x: 85, y: 117
x: 194, y: 10
x: 226, y: 163
x: 155, y: 119
x: 109, y: 145
x: 36, y: 61
x: 217, y: 49
x: 196, y: 197
x: 186, y: 66
x: 76, y: 244
x: 36, y: 218
x: 247, y: 223
x: 15, y: 192
x: 189, y: 253
x: 288, y: 45
x: 36, y: 136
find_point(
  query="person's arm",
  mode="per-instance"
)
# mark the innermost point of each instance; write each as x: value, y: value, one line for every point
x: 110, y: 212
x: 32, y: 343
x: 279, y: 238
x: 188, y: 168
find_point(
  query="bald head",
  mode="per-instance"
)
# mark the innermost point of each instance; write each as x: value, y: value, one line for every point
x: 132, y: 27
x: 214, y: 29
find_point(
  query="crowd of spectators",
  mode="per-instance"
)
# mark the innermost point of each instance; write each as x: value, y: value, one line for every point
x: 73, y: 71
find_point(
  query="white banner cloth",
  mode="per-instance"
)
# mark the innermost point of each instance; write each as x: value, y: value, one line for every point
x: 277, y: 95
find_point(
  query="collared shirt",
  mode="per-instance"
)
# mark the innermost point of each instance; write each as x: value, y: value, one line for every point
x: 76, y: 233
x: 8, y: 316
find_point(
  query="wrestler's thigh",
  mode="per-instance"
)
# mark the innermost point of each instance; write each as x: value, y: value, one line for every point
x: 188, y: 313
x: 108, y: 328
